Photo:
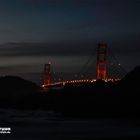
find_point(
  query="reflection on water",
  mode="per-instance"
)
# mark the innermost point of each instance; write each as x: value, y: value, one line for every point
x: 41, y: 125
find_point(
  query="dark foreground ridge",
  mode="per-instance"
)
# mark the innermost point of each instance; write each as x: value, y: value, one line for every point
x: 99, y: 99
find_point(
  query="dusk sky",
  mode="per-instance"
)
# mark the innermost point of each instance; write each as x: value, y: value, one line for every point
x: 65, y: 32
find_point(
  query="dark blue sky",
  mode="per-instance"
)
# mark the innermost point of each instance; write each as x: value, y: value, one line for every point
x: 33, y: 32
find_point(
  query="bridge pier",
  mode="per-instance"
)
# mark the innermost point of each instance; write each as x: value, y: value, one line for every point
x: 101, y: 61
x: 47, y: 74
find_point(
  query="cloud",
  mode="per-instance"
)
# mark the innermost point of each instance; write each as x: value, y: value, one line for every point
x: 47, y: 49
x: 77, y: 48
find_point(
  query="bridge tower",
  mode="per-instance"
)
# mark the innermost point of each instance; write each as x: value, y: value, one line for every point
x: 47, y: 74
x: 101, y: 61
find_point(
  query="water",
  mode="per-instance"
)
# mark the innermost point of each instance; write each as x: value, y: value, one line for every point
x: 42, y: 125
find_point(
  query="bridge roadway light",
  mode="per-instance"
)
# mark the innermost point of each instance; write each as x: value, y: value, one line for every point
x: 43, y: 86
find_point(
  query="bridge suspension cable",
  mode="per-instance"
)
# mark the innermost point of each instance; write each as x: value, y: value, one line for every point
x: 116, y: 65
x: 90, y: 59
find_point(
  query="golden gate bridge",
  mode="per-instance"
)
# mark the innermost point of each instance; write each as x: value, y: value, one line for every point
x: 102, y: 63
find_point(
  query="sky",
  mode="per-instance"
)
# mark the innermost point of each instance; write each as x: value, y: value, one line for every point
x: 66, y: 32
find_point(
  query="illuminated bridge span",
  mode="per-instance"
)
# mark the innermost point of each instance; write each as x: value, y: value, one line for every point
x: 70, y: 82
x: 63, y: 83
x: 101, y: 70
